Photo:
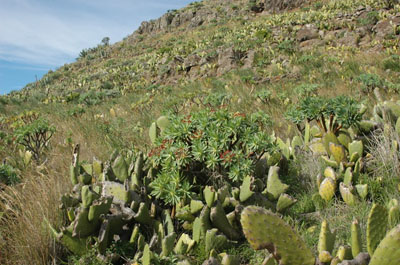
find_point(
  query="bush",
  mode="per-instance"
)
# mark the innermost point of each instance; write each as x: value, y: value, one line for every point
x: 8, y: 175
x: 392, y: 63
x: 306, y: 90
x: 369, y: 82
x: 34, y: 136
x: 341, y: 112
x: 264, y: 95
x: 208, y: 147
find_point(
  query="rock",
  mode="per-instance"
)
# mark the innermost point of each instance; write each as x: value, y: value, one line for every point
x: 211, y: 261
x: 362, y: 259
x: 279, y: 5
x: 350, y: 38
x: 196, y: 21
x: 309, y: 44
x: 249, y: 60
x: 191, y: 61
x: 166, y: 20
x: 226, y: 61
x: 385, y: 28
x: 308, y: 32
x: 365, y: 40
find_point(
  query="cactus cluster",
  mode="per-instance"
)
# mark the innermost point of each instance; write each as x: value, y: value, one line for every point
x: 113, y: 200
x: 266, y: 230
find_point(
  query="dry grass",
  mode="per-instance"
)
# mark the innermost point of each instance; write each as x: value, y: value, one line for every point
x: 386, y: 162
x: 26, y: 237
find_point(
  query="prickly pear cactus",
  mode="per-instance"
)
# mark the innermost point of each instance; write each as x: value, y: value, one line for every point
x: 388, y: 250
x: 327, y: 189
x: 275, y: 187
x: 376, y: 227
x: 356, y: 243
x: 338, y: 152
x: 326, y: 240
x: 265, y: 230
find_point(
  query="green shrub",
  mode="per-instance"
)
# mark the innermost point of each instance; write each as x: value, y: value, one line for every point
x: 8, y: 175
x: 264, y: 95
x: 306, y: 90
x: 34, y: 136
x: 369, y: 82
x: 392, y: 63
x: 371, y: 19
x: 341, y: 112
x: 207, y: 147
x: 287, y: 46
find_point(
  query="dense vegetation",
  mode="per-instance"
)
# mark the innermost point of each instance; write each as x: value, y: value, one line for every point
x: 181, y: 143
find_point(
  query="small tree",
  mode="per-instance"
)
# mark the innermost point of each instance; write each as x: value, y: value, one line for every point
x: 105, y: 41
x: 34, y: 136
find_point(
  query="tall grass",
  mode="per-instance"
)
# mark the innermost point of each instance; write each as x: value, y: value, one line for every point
x: 25, y: 235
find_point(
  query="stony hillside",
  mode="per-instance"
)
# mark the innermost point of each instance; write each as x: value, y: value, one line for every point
x: 276, y: 40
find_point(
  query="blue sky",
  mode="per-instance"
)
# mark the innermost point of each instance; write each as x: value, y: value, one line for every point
x: 39, y: 35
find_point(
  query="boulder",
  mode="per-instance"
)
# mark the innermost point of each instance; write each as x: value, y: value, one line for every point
x: 308, y: 32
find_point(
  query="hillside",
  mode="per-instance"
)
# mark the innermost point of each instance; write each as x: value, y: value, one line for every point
x: 289, y: 105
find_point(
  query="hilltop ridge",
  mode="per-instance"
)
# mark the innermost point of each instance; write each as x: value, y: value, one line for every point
x: 218, y: 36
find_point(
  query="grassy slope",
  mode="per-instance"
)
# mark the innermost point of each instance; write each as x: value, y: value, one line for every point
x: 133, y: 68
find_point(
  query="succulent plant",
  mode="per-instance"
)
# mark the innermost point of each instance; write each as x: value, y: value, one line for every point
x: 266, y: 230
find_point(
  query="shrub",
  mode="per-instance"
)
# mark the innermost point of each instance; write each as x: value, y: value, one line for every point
x: 34, y: 136
x: 341, y: 111
x: 392, y: 63
x: 287, y: 46
x: 264, y: 95
x: 208, y: 147
x: 8, y: 175
x: 371, y: 19
x: 369, y: 82
x: 306, y: 90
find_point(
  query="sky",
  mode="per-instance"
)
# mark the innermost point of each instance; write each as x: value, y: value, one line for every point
x: 41, y: 35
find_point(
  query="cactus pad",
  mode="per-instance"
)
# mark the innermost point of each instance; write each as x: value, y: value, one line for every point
x: 394, y: 216
x: 275, y: 187
x: 328, y: 162
x: 120, y: 168
x: 376, y: 227
x: 325, y: 256
x: 388, y: 250
x: 196, y: 206
x: 362, y: 190
x: 347, y: 194
x: 356, y: 147
x: 328, y: 138
x: 338, y: 152
x: 344, y: 253
x: 284, y: 202
x: 263, y: 229
x: 163, y: 123
x: 245, y: 189
x: 356, y: 243
x: 327, y: 239
x: 214, y: 241
x: 327, y: 189
x: 330, y: 173
x: 209, y: 195
x: 220, y: 221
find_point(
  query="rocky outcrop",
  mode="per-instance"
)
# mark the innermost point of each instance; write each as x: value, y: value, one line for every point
x: 386, y: 28
x: 195, y: 16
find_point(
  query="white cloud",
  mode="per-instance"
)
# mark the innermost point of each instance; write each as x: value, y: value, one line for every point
x: 53, y: 32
